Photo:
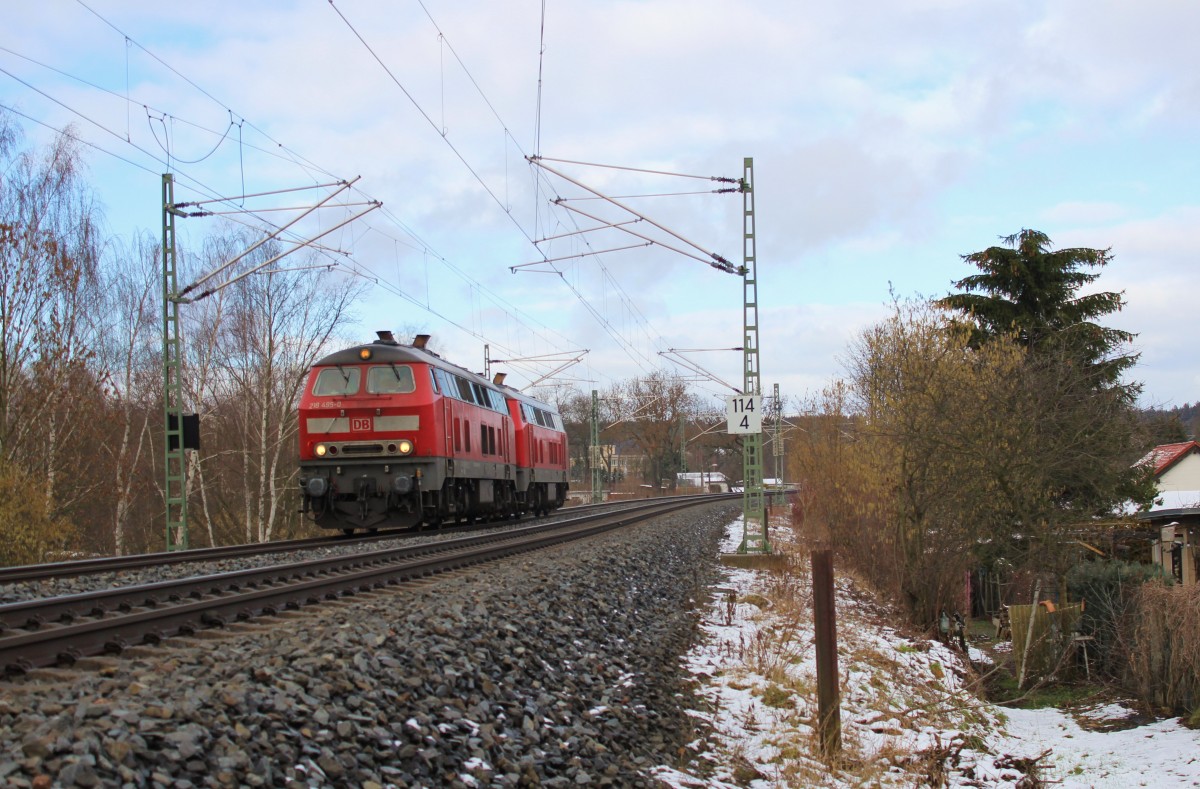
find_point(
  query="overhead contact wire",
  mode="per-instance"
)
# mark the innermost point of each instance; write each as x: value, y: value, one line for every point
x: 289, y: 154
x: 609, y: 329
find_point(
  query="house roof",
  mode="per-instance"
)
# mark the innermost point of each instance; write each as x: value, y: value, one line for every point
x: 1173, y: 506
x: 1164, y: 456
x: 1177, y: 500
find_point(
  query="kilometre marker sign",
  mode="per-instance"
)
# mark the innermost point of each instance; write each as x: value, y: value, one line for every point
x: 743, y: 414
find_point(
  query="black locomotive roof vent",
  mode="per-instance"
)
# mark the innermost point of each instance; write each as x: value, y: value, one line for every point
x: 420, y: 341
x: 386, y: 338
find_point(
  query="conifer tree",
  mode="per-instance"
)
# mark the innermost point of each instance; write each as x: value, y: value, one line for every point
x: 1031, y: 292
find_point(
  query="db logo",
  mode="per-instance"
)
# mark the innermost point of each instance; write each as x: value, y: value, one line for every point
x: 360, y: 424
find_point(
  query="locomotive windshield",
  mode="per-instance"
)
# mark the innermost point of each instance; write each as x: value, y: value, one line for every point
x: 393, y: 379
x: 337, y: 381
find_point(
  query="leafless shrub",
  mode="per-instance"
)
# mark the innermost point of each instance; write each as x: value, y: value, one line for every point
x: 1028, y: 766
x: 1165, y: 637
x: 934, y: 764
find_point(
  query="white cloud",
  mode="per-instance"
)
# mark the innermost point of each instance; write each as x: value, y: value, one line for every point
x: 1081, y: 213
x: 1154, y: 265
x: 888, y: 139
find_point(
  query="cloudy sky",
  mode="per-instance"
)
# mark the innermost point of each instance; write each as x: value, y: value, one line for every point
x: 888, y: 139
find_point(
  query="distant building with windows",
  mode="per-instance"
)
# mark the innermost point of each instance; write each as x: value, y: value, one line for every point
x: 705, y: 481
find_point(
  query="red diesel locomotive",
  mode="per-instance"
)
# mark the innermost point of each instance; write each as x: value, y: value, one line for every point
x: 393, y: 435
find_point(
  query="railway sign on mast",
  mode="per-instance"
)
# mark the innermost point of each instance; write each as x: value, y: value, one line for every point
x: 743, y: 414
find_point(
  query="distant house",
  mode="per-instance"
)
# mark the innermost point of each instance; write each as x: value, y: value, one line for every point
x: 1176, y: 466
x: 704, y: 481
x: 1176, y: 509
x: 620, y: 465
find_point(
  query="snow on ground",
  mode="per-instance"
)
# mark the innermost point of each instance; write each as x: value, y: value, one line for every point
x: 908, y: 715
x: 1163, y: 753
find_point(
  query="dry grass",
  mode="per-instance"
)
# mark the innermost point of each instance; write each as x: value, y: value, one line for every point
x: 873, y: 750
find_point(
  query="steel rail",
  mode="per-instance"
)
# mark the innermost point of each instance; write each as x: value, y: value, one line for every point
x: 38, y: 612
x: 117, y: 618
x: 77, y: 567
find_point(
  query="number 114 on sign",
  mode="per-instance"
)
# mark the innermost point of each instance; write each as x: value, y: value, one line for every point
x: 743, y: 414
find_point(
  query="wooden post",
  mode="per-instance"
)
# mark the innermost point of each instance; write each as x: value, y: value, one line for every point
x: 1037, y: 591
x: 829, y: 716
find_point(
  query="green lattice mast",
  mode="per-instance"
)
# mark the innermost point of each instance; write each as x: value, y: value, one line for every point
x: 175, y: 459
x: 754, y: 535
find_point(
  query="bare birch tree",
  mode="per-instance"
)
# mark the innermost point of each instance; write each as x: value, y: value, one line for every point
x: 49, y: 250
x: 260, y: 343
x: 129, y: 355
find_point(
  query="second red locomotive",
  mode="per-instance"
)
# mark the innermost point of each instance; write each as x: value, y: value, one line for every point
x: 392, y: 435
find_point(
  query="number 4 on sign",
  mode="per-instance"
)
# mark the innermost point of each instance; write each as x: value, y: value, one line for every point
x: 743, y: 414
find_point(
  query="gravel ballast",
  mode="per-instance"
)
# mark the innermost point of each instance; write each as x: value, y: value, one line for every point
x: 557, y: 668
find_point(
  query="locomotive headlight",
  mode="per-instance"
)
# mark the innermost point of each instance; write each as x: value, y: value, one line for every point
x: 406, y: 446
x: 319, y: 450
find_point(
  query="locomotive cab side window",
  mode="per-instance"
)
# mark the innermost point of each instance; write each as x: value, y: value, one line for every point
x: 449, y: 385
x: 392, y: 379
x: 464, y: 390
x: 337, y: 381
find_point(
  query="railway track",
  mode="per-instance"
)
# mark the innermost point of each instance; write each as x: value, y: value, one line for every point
x: 106, y: 564
x: 64, y: 629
